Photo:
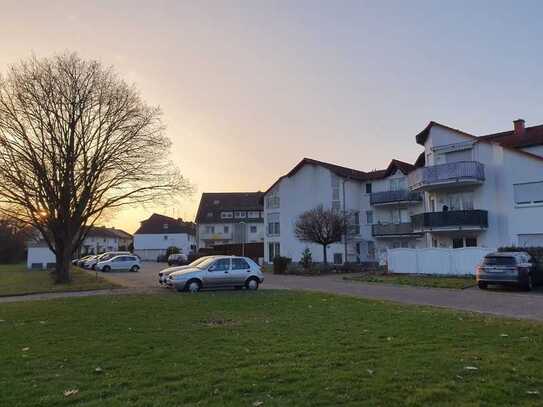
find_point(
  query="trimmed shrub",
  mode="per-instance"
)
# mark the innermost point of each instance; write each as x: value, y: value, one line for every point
x: 307, y: 260
x: 280, y: 264
x: 172, y: 250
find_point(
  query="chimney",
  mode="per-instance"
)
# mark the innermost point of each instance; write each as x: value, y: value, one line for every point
x: 519, y: 127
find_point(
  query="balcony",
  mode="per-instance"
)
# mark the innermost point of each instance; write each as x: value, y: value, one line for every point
x: 395, y: 197
x: 392, y: 230
x: 445, y: 175
x: 450, y: 221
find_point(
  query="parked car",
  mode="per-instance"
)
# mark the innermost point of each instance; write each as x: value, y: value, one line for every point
x: 216, y: 272
x: 508, y: 268
x: 163, y: 274
x: 178, y: 259
x: 79, y: 262
x: 91, y: 264
x: 123, y: 262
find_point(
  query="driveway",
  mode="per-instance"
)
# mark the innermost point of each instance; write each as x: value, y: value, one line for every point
x: 514, y: 304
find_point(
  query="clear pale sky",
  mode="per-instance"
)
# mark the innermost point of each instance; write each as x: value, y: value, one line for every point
x: 248, y: 88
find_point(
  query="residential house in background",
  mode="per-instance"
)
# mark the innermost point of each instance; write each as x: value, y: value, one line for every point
x: 462, y: 191
x: 157, y: 233
x: 229, y: 217
x: 99, y: 239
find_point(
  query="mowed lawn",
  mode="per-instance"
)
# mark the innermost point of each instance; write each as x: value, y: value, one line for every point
x: 16, y: 279
x: 417, y: 281
x: 269, y: 348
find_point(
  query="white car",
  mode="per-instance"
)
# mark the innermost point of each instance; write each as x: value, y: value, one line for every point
x: 216, y: 272
x: 122, y: 262
x: 91, y: 264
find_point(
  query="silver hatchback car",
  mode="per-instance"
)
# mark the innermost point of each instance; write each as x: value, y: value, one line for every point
x: 218, y: 272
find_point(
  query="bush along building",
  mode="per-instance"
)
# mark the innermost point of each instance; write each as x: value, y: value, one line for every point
x: 463, y: 190
x: 229, y: 218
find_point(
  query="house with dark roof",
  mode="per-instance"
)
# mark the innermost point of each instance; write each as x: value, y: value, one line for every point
x: 463, y: 190
x: 229, y: 217
x: 157, y: 233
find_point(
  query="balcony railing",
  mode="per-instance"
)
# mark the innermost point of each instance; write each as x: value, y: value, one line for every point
x: 387, y: 197
x: 462, y: 172
x: 392, y: 229
x: 450, y: 220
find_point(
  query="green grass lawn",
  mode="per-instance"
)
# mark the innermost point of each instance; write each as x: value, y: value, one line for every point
x: 417, y: 281
x: 267, y: 348
x: 16, y: 279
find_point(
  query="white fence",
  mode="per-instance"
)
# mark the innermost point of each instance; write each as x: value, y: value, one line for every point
x: 436, y: 261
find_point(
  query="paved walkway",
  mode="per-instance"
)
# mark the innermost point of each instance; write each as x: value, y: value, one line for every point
x: 514, y: 304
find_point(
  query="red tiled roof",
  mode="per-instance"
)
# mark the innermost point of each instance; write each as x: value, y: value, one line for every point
x: 349, y: 173
x: 533, y: 136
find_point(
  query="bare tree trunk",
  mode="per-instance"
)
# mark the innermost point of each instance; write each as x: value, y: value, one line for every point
x: 324, y: 254
x: 63, y: 261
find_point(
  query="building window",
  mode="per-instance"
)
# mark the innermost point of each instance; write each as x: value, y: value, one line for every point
x: 272, y: 202
x: 165, y: 226
x: 210, y: 229
x: 273, y: 224
x: 528, y: 193
x: 356, y: 223
x: 240, y: 215
x: 371, y: 250
x: 253, y: 229
x: 216, y: 202
x: 226, y: 229
x: 368, y: 188
x: 458, y: 243
x: 369, y: 217
x: 434, y: 242
x: 274, y: 250
x: 253, y: 214
x: 209, y: 214
x: 338, y: 258
x: 471, y: 242
x: 165, y: 237
x: 227, y: 215
x: 335, y: 193
x: 397, y: 184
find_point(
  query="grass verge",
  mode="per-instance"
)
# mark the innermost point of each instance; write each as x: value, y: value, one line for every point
x: 16, y: 280
x: 267, y: 348
x: 416, y: 281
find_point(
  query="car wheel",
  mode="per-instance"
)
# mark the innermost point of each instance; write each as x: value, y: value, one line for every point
x: 482, y: 285
x: 134, y: 269
x: 193, y: 286
x: 106, y: 269
x: 529, y: 284
x: 252, y: 284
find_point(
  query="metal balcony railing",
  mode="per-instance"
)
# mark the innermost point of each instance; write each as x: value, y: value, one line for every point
x: 394, y: 196
x: 392, y: 229
x: 450, y: 219
x: 462, y: 171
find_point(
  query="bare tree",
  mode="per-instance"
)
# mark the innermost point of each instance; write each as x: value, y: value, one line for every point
x: 75, y: 142
x: 321, y: 226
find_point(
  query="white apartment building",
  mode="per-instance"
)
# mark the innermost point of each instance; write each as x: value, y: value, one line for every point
x: 379, y: 203
x: 462, y: 191
x: 480, y: 191
x: 229, y: 217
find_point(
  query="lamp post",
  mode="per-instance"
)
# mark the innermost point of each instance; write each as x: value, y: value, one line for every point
x: 243, y: 237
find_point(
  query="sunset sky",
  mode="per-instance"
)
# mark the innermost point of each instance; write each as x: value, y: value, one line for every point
x: 248, y: 88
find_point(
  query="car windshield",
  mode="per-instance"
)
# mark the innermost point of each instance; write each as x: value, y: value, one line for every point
x: 198, y: 261
x: 499, y: 261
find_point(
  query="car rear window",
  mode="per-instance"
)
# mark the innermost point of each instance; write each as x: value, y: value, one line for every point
x: 499, y: 261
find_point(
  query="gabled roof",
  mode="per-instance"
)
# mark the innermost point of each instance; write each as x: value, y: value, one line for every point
x: 101, y: 231
x: 160, y: 224
x: 349, y: 173
x: 533, y: 136
x: 504, y: 139
x: 217, y: 202
x: 121, y: 234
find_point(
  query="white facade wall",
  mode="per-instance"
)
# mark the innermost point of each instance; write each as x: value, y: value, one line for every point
x: 41, y: 256
x: 223, y: 233
x: 97, y: 244
x: 150, y: 246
